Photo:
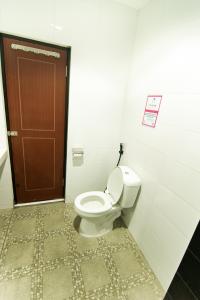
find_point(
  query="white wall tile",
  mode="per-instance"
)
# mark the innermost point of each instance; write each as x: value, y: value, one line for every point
x: 157, y: 257
x: 183, y: 216
x: 183, y: 181
x: 165, y: 62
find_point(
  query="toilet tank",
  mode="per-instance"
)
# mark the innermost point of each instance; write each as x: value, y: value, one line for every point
x: 131, y: 187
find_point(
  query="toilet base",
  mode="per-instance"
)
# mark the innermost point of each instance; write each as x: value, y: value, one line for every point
x: 90, y: 229
x: 98, y: 226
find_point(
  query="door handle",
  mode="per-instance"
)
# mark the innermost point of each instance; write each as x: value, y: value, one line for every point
x: 12, y: 133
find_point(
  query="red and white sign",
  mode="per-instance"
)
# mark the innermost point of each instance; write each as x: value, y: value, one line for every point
x: 151, y: 110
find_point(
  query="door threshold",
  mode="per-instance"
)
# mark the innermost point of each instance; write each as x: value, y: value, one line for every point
x: 40, y: 202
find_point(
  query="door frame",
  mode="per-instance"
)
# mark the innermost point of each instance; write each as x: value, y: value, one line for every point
x: 67, y: 78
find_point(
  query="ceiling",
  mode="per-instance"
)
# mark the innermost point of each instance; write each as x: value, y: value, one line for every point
x: 137, y: 4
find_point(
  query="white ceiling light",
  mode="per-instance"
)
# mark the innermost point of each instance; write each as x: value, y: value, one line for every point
x: 137, y: 4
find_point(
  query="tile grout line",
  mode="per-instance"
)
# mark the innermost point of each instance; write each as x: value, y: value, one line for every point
x: 6, y: 237
x: 37, y: 275
x: 111, y: 269
x: 72, y: 257
x: 77, y: 277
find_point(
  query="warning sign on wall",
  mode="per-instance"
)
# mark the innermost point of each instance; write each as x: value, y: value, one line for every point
x: 151, y: 110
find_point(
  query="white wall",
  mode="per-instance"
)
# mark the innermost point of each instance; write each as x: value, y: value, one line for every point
x: 6, y: 193
x: 167, y: 62
x: 101, y: 35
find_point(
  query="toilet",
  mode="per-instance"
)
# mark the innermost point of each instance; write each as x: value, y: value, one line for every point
x: 98, y: 210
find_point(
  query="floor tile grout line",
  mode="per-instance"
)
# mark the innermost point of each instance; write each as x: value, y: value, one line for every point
x: 36, y: 289
x: 19, y: 239
x: 77, y: 277
x: 109, y: 261
x: 6, y: 233
x: 76, y: 258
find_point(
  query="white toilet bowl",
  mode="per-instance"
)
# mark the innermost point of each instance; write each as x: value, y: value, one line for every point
x: 98, y: 210
x: 92, y: 204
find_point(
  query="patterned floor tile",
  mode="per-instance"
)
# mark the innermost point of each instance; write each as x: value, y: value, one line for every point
x: 44, y: 257
x: 23, y: 226
x: 5, y: 215
x: 84, y: 244
x: 116, y: 236
x: 54, y: 221
x: 143, y: 292
x: 95, y: 274
x: 55, y: 248
x: 15, y: 289
x: 57, y: 284
x: 127, y: 263
x: 19, y: 255
x: 25, y: 211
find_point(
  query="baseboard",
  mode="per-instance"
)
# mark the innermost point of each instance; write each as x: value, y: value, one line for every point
x: 40, y: 202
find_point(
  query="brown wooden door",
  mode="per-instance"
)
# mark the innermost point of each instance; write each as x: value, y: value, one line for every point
x: 36, y: 88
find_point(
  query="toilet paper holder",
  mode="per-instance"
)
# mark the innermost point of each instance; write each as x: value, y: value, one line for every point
x: 77, y: 152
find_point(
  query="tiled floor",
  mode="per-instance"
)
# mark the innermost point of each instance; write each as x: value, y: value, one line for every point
x: 43, y: 257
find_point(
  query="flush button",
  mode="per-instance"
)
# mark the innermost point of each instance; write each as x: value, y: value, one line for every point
x: 126, y: 172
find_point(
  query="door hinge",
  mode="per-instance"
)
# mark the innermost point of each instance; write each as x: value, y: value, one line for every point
x: 63, y: 182
x: 66, y: 70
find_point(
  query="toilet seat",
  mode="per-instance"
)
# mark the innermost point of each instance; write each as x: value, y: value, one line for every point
x: 93, y: 203
x: 96, y: 203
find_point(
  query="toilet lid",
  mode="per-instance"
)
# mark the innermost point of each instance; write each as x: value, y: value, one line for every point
x: 115, y: 185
